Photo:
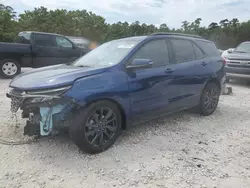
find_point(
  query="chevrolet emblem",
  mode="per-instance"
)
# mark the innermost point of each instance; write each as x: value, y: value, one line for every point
x: 244, y: 62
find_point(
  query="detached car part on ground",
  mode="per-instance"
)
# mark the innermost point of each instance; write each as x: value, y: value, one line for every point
x: 120, y: 84
x: 238, y: 62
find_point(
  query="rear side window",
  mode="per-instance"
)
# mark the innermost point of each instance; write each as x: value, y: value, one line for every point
x: 209, y: 48
x: 44, y: 40
x: 183, y: 50
x: 24, y: 37
x: 198, y: 53
x: 155, y: 50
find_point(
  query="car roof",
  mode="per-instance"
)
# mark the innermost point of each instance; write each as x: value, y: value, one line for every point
x: 132, y: 38
x: 38, y: 32
x: 76, y: 37
x: 159, y: 35
x: 180, y: 35
x: 175, y: 34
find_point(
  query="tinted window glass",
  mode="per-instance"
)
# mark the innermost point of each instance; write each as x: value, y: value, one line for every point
x: 208, y: 47
x: 61, y: 41
x: 183, y: 50
x: 44, y: 40
x: 198, y: 53
x: 155, y: 50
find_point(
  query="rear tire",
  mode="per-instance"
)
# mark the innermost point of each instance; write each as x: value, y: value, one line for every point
x: 96, y: 128
x: 9, y: 68
x: 209, y: 99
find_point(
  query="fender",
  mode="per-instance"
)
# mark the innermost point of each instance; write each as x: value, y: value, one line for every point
x: 111, y: 85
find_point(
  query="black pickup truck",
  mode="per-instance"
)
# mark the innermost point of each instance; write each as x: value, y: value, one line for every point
x: 37, y: 49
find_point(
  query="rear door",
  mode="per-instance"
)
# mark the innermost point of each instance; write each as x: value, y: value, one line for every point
x: 46, y: 51
x: 189, y: 73
x: 148, y: 87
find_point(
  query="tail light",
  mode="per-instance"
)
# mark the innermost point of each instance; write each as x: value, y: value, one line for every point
x: 224, y: 61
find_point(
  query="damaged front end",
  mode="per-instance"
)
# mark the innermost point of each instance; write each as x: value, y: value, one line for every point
x: 48, y: 111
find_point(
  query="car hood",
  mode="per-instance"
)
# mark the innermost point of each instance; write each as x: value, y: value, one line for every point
x: 52, y: 76
x: 238, y: 56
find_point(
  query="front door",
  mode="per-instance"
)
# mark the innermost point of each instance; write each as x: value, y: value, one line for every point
x: 45, y: 51
x: 149, y: 87
x: 70, y: 52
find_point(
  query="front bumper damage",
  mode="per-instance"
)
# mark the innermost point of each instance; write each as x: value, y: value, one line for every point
x: 47, y: 114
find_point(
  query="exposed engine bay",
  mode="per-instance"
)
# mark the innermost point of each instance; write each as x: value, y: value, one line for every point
x: 47, y: 111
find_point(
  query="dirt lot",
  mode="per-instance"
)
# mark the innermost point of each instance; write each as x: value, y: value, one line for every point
x: 183, y: 150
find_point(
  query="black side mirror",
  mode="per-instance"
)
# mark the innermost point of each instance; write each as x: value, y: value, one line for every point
x: 74, y: 46
x: 140, y: 64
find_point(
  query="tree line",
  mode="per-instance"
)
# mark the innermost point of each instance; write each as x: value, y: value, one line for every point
x: 225, y: 34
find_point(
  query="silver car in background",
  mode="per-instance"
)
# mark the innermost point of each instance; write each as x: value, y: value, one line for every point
x: 238, y: 61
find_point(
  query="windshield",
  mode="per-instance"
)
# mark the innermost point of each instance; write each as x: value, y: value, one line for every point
x: 107, y: 54
x: 243, y: 47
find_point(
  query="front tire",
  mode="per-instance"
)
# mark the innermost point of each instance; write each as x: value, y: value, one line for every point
x: 95, y: 128
x: 209, y: 99
x: 9, y: 68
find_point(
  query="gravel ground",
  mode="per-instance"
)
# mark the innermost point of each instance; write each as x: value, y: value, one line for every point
x: 183, y: 150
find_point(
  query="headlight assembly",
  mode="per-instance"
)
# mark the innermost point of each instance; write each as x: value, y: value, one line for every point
x: 49, y: 92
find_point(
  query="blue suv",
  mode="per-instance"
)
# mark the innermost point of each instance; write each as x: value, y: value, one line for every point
x: 119, y: 84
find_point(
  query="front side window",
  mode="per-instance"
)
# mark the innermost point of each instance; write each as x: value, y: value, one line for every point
x: 156, y: 51
x: 63, y: 42
x: 81, y: 42
x: 183, y: 50
x: 108, y: 54
x: 44, y: 40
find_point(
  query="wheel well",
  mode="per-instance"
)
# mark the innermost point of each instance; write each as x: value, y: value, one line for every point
x: 9, y: 59
x: 122, y: 111
x: 216, y: 81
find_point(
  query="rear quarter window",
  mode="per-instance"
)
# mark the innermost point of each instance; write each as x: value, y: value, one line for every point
x: 209, y: 48
x: 198, y: 53
x: 24, y: 37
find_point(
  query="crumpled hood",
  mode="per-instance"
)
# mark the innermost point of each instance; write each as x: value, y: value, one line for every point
x: 238, y: 56
x: 52, y: 76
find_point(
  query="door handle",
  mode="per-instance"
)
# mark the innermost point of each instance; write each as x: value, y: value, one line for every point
x: 204, y: 63
x: 169, y: 70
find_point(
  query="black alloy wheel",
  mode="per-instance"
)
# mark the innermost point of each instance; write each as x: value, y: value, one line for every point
x: 101, y: 127
x: 209, y: 99
x: 95, y: 128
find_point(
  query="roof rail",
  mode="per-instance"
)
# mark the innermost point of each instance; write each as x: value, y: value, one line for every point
x: 177, y: 34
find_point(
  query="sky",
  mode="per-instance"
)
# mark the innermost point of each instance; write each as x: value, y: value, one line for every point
x: 171, y: 12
